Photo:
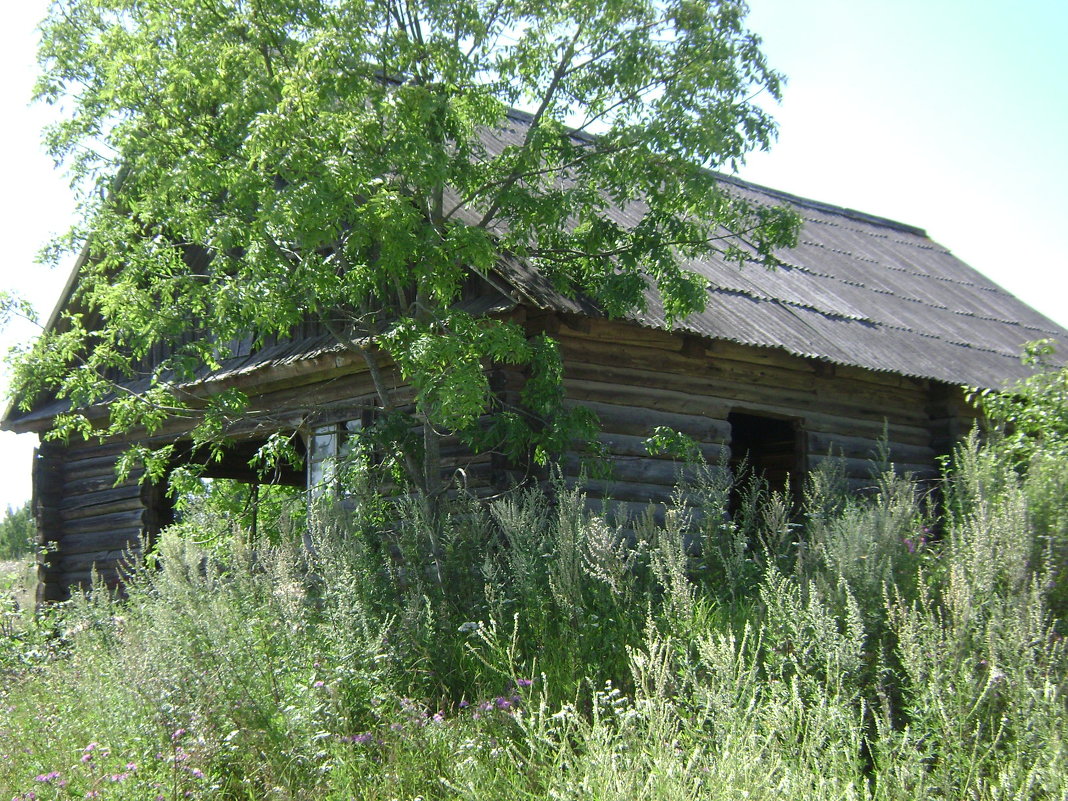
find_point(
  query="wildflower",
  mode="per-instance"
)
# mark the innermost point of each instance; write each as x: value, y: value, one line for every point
x: 93, y: 794
x: 131, y: 766
x: 87, y: 756
x: 524, y: 682
x: 503, y: 703
x: 464, y: 704
x: 438, y: 717
x: 196, y: 773
x: 47, y: 777
x: 468, y: 627
x: 177, y: 734
x: 319, y: 684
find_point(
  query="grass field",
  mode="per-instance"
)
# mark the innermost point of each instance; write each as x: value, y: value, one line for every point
x: 871, y: 647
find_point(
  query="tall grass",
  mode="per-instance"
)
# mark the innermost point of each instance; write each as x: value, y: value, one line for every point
x: 873, y: 648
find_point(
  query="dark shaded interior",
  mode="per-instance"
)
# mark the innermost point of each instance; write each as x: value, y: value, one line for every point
x: 765, y: 447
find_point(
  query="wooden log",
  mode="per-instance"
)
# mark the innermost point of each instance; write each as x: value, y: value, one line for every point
x: 866, y: 448
x: 868, y: 468
x: 104, y: 560
x: 99, y: 483
x: 715, y: 380
x: 640, y: 421
x: 618, y: 332
x: 94, y: 522
x: 651, y: 397
x: 629, y: 445
x: 636, y: 469
x: 111, y: 578
x: 71, y: 504
x: 107, y: 540
x: 95, y: 464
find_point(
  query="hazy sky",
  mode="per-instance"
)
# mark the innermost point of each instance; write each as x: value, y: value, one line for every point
x: 951, y: 115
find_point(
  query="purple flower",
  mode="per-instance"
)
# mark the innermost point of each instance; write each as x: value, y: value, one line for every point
x: 177, y: 734
x: 47, y: 777
x: 131, y: 766
x: 196, y: 773
x: 503, y: 703
x: 464, y: 704
x: 438, y: 717
x: 319, y: 684
x: 87, y: 757
x: 524, y: 682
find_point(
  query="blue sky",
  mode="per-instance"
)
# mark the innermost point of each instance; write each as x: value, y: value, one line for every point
x: 945, y: 114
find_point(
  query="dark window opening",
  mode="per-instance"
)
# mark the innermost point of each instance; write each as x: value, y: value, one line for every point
x: 767, y: 448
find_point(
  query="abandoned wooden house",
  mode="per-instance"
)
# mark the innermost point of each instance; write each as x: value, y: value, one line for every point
x: 867, y: 329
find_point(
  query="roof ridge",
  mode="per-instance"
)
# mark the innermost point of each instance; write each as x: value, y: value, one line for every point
x: 819, y: 205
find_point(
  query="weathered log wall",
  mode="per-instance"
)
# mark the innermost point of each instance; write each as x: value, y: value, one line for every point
x: 636, y: 378
x: 633, y: 378
x: 85, y: 521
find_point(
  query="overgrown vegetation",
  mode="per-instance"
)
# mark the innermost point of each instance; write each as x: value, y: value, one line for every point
x: 17, y: 533
x: 533, y: 650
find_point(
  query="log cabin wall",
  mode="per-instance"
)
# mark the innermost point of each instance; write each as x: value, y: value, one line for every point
x: 86, y: 520
x: 637, y: 378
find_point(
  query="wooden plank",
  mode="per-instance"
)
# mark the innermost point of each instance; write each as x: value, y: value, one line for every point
x: 101, y: 497
x: 99, y: 483
x: 640, y: 421
x: 619, y: 332
x: 868, y: 468
x: 104, y: 560
x: 639, y: 365
x: 636, y: 470
x: 867, y: 448
x: 106, y: 540
x: 646, y: 397
x: 111, y: 577
x: 628, y: 445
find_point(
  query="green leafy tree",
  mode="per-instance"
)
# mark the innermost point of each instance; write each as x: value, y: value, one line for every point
x: 17, y: 532
x: 1031, y: 416
x: 332, y: 158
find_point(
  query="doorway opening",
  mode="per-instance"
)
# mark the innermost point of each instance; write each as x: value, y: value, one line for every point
x: 765, y: 448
